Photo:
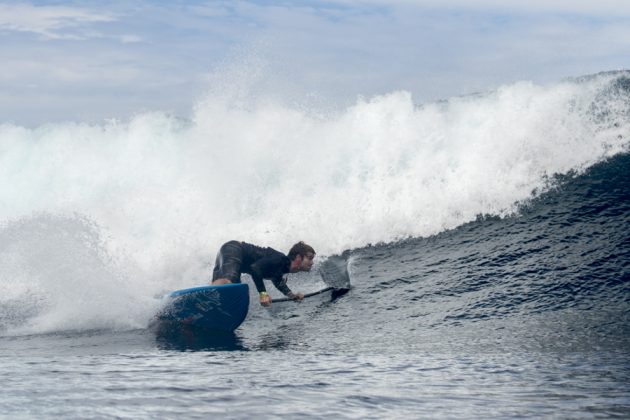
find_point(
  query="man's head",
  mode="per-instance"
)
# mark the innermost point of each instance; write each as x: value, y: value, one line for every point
x: 301, y: 256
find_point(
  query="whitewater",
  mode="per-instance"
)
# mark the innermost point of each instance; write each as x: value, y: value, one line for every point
x: 148, y: 202
x: 487, y: 237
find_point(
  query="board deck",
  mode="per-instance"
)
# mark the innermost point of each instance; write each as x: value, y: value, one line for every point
x: 220, y: 308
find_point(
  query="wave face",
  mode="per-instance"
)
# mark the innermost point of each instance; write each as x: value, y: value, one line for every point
x: 557, y: 274
x: 97, y: 219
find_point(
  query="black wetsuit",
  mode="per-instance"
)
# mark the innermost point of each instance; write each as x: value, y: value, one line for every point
x: 236, y: 257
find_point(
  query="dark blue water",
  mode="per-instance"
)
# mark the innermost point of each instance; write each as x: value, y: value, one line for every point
x: 523, y: 316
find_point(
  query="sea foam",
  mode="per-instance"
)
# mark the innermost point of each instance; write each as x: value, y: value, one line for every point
x: 94, y: 218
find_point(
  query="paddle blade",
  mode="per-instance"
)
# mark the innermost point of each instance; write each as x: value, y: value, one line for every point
x: 334, y: 272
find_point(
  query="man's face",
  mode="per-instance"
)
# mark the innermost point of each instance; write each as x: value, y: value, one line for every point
x: 307, y: 262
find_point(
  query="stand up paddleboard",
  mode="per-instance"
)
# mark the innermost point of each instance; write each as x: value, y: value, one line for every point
x: 218, y: 308
x: 224, y: 308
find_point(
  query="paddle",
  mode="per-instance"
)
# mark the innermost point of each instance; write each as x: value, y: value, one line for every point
x: 319, y: 292
x: 334, y: 272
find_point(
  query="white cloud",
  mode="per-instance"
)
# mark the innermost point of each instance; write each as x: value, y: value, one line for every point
x: 149, y: 55
x: 612, y: 8
x: 130, y: 39
x: 51, y: 22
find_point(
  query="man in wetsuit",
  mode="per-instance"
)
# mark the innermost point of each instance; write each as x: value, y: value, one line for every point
x: 236, y: 257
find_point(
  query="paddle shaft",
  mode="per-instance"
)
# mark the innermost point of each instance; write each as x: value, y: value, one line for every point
x: 286, y: 299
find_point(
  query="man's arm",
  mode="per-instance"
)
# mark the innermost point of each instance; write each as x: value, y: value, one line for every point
x: 256, y: 272
x: 258, y: 281
x: 281, y: 284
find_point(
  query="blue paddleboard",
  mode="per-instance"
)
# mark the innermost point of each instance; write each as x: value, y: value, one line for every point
x: 220, y: 308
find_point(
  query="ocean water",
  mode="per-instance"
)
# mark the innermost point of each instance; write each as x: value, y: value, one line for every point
x: 488, y: 240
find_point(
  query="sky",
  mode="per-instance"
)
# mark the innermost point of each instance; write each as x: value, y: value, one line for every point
x: 92, y: 61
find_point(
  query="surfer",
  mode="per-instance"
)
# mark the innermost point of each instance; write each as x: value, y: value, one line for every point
x: 235, y: 258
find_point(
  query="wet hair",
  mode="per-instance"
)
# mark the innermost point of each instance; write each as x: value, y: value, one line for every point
x: 300, y: 249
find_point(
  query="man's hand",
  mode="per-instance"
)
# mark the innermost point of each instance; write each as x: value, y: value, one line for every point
x: 265, y: 299
x: 295, y: 296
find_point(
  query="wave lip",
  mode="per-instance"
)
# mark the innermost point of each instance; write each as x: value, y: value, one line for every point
x: 162, y: 194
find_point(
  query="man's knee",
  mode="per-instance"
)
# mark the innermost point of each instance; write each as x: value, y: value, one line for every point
x: 219, y: 282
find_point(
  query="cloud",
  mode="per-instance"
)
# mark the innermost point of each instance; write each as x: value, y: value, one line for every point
x: 50, y: 22
x: 610, y: 8
x: 130, y: 39
x: 153, y: 55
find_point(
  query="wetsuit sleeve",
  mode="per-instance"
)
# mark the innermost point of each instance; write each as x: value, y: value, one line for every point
x: 257, y: 276
x: 269, y: 267
x: 281, y: 284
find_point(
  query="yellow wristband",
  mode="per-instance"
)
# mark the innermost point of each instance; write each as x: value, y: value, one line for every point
x: 263, y: 294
